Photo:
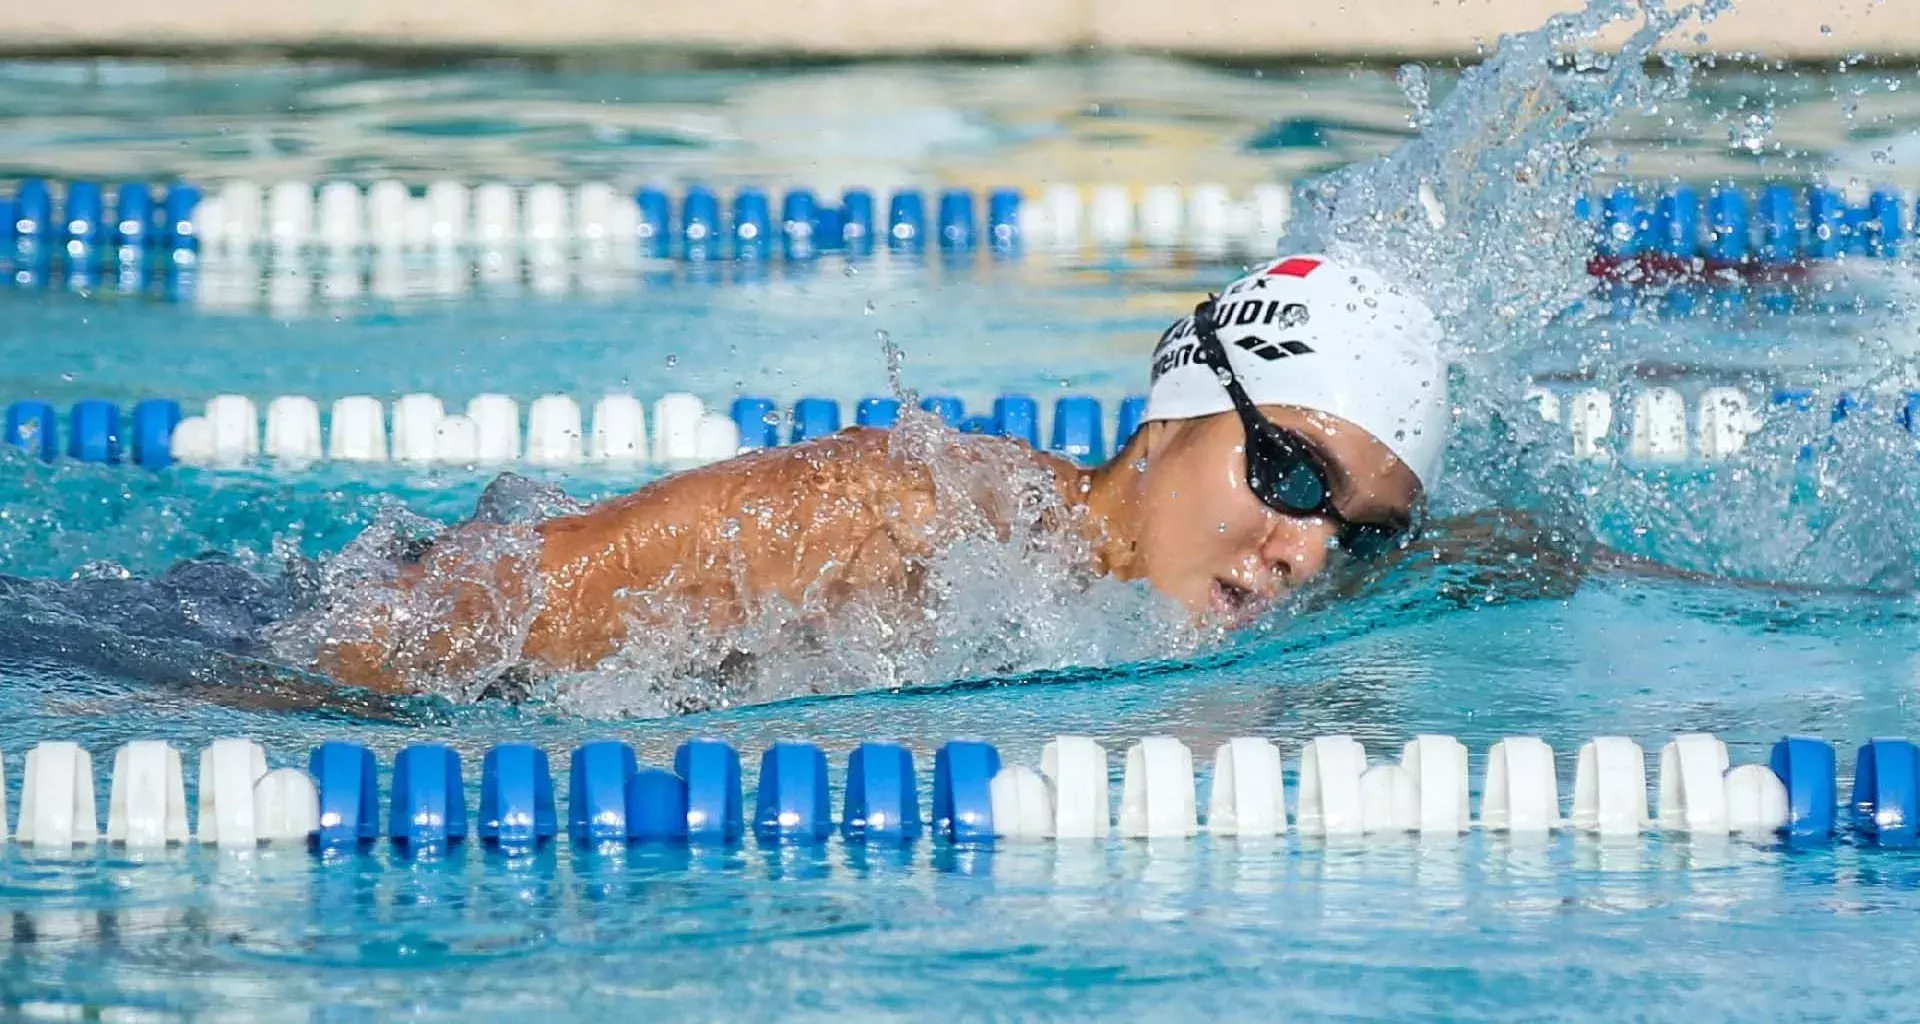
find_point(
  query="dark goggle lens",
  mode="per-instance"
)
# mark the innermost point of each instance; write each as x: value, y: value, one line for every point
x: 1284, y: 481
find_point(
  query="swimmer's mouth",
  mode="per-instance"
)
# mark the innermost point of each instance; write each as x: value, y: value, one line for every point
x: 1236, y: 604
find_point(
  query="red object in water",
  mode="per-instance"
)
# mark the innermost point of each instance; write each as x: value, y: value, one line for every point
x: 1297, y: 266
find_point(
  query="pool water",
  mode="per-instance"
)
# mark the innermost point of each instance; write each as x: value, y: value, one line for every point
x: 1816, y: 635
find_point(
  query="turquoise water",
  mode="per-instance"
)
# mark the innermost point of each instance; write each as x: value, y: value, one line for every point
x: 1476, y: 928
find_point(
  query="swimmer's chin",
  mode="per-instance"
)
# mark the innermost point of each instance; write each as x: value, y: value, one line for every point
x: 1231, y: 606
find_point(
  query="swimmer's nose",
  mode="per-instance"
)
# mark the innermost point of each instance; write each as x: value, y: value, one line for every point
x: 1295, y: 549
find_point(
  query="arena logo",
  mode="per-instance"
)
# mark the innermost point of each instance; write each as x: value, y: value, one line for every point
x: 1177, y: 347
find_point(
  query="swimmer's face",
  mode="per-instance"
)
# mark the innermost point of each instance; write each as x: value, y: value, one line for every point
x: 1207, y: 542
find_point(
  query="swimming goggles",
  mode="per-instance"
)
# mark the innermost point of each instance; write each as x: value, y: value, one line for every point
x: 1284, y: 471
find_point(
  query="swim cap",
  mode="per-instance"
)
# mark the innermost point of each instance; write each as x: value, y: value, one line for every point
x: 1313, y: 332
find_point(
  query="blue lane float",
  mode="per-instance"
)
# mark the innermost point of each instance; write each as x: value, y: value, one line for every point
x: 1729, y: 226
x: 1806, y: 766
x: 882, y: 799
x: 32, y: 427
x: 1017, y: 416
x: 516, y: 796
x: 179, y: 230
x: 32, y: 211
x: 85, y: 223
x: 1886, y: 792
x: 93, y: 432
x: 1076, y: 429
x: 656, y: 807
x: 699, y: 222
x: 877, y: 412
x: 1003, y: 219
x: 711, y: 771
x: 814, y: 417
x: 154, y: 420
x: 792, y: 804
x: 752, y: 225
x: 949, y: 408
x: 963, y: 772
x: 346, y: 780
x: 597, y: 778
x: 1133, y: 412
x: 654, y: 227
x: 429, y: 809
x: 133, y: 216
x: 758, y: 420
x: 907, y: 222
x: 856, y: 220
x: 957, y: 225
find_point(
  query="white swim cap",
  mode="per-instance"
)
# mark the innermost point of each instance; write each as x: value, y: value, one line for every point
x: 1313, y: 332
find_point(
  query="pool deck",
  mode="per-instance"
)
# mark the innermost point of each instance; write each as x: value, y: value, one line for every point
x: 1800, y: 30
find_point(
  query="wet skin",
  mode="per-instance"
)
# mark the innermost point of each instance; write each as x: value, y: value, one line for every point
x: 847, y: 515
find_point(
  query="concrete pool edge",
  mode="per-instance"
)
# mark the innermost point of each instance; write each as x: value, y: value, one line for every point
x: 1776, y: 29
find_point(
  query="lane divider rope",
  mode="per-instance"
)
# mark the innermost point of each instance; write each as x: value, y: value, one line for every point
x: 1641, y: 231
x: 1654, y: 426
x: 334, y: 804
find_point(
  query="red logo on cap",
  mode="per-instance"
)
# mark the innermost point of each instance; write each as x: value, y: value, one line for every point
x: 1298, y: 266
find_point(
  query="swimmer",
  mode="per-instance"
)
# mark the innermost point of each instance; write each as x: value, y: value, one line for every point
x: 1295, y: 421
